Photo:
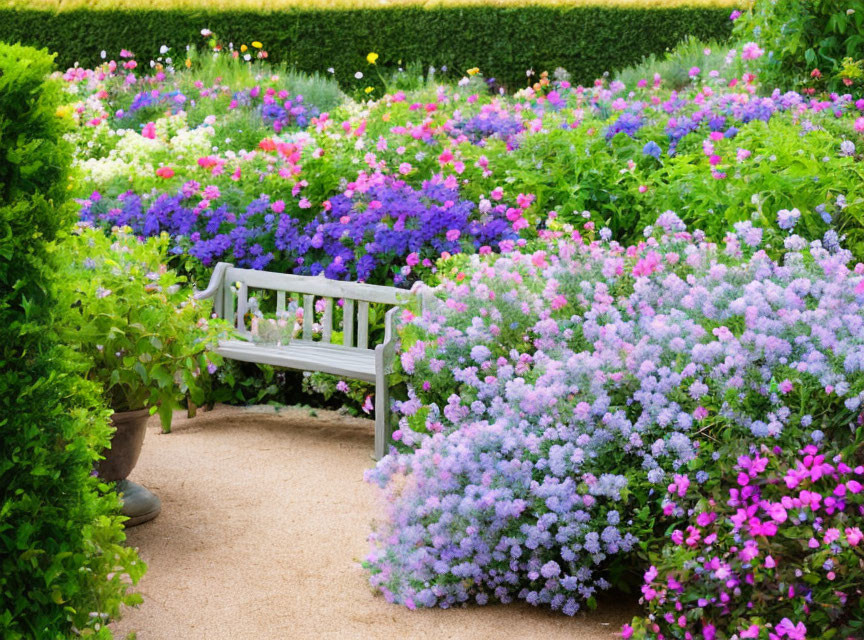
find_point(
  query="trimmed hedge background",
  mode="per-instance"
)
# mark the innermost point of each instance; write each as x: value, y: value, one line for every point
x: 503, y: 42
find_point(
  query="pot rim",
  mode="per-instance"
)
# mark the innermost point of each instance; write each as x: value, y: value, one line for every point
x: 127, y: 416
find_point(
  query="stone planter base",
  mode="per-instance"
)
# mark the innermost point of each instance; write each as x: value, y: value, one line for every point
x: 121, y: 458
x: 139, y: 503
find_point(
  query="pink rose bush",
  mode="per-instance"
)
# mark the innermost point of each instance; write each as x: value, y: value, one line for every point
x: 544, y: 444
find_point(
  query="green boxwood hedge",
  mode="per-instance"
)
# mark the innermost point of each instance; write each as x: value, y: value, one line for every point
x: 503, y: 41
x: 61, y: 551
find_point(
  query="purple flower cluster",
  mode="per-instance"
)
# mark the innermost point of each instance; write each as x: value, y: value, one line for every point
x: 553, y: 393
x: 154, y: 98
x: 627, y: 123
x: 376, y: 224
x: 491, y: 123
x: 277, y: 108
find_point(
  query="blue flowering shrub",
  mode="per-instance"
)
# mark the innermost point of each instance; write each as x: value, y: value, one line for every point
x: 567, y: 399
x: 369, y: 232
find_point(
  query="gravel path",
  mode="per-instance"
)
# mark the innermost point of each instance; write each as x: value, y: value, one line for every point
x: 264, y: 520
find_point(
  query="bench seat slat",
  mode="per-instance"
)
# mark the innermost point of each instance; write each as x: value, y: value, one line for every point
x: 358, y: 364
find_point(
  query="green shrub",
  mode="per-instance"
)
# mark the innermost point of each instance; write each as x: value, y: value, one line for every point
x: 784, y: 170
x: 676, y: 65
x: 148, y: 340
x: 62, y: 563
x: 503, y: 42
x: 802, y: 36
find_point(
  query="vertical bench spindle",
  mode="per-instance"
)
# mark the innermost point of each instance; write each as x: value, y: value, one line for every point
x: 327, y: 321
x: 242, y: 305
x: 228, y: 303
x: 363, y: 324
x: 308, y: 315
x: 348, y: 323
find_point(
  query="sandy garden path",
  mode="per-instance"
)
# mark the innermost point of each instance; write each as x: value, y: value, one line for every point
x: 264, y: 519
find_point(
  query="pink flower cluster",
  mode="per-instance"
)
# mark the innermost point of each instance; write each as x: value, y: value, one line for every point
x: 780, y: 555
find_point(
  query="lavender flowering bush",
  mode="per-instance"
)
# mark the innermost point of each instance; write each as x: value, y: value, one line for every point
x: 567, y: 395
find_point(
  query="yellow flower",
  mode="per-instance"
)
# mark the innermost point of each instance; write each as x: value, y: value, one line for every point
x: 386, y: 117
x: 188, y: 63
x: 369, y: 89
x: 257, y: 44
x: 372, y: 58
x: 243, y: 48
x: 473, y: 71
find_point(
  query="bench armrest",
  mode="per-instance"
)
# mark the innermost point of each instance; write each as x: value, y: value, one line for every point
x: 387, y: 349
x: 215, y: 281
x: 390, y: 324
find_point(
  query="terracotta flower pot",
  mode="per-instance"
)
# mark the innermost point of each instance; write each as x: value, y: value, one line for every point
x: 121, y: 458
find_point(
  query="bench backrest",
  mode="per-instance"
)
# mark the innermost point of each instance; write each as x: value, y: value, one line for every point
x: 231, y: 301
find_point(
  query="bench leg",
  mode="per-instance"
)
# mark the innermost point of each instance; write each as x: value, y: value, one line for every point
x: 383, y: 430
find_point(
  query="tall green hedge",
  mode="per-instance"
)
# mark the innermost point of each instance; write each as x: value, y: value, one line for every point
x: 61, y: 553
x: 504, y: 42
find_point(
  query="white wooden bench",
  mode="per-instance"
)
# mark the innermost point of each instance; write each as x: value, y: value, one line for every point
x: 354, y: 358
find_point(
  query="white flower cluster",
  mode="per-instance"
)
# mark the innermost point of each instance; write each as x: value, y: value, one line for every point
x: 137, y: 156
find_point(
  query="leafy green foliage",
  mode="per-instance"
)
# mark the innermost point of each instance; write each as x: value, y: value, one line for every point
x: 61, y: 552
x: 148, y: 340
x: 785, y: 170
x: 677, y: 64
x: 800, y: 37
x: 503, y: 42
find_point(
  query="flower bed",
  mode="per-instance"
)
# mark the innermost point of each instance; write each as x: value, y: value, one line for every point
x: 603, y: 396
x: 228, y: 168
x: 568, y: 405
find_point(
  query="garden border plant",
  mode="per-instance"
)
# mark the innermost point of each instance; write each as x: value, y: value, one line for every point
x: 812, y: 46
